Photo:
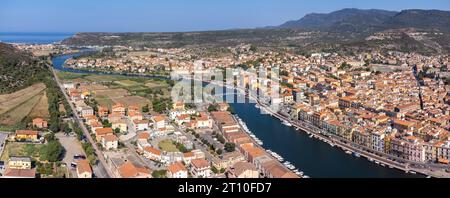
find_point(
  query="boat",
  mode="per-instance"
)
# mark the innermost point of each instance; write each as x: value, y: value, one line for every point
x: 428, y: 177
x: 413, y: 172
x: 257, y: 106
x: 377, y: 162
x: 356, y: 154
x: 305, y: 176
x: 391, y: 167
x: 383, y: 165
x: 287, y: 123
x: 311, y: 136
x: 348, y: 152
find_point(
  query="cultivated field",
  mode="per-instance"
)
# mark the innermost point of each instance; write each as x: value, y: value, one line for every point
x: 31, y: 101
x: 20, y: 149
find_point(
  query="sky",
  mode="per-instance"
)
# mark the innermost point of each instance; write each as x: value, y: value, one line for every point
x: 175, y: 15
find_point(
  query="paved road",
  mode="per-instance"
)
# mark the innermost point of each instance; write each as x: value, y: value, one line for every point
x: 103, y: 164
x: 3, y: 137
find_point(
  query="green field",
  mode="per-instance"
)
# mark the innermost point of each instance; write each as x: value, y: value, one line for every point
x: 167, y: 145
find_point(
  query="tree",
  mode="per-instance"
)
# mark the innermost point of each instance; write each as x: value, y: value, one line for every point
x: 116, y: 131
x: 51, y: 152
x: 214, y: 170
x: 212, y: 107
x: 219, y: 151
x: 229, y: 147
x: 66, y: 128
x: 145, y: 109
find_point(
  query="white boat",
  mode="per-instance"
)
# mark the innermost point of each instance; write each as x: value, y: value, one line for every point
x: 287, y: 123
x: 348, y: 152
x: 413, y: 172
x: 370, y: 159
x: 376, y: 162
x: 305, y: 176
x: 257, y: 106
x: 311, y: 136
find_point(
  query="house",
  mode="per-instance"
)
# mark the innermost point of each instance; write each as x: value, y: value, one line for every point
x: 140, y: 125
x: 40, y: 123
x: 102, y: 111
x: 19, y: 163
x: 183, y: 118
x: 27, y: 135
x: 204, y: 121
x: 118, y: 109
x: 200, y: 168
x: 120, y: 124
x: 101, y: 132
x: 129, y: 170
x: 86, y: 111
x: 19, y: 173
x: 244, y: 170
x: 159, y: 121
x: 177, y: 170
x: 178, y: 106
x: 110, y: 142
x: 84, y: 169
x: 133, y: 109
x: 135, y: 115
x: 152, y: 153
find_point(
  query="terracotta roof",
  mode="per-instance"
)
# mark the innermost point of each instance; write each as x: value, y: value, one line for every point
x: 200, y: 163
x: 188, y: 154
x: 176, y: 167
x: 144, y: 136
x: 83, y: 166
x: 241, y: 167
x: 103, y: 131
x: 159, y: 118
x: 152, y: 150
x: 26, y: 132
x: 129, y: 170
x: 110, y: 138
x: 29, y: 173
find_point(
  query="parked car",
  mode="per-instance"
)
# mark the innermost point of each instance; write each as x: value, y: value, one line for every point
x: 78, y: 156
x: 73, y: 164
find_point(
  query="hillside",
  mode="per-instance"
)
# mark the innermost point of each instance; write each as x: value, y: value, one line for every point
x: 367, y: 21
x: 17, y: 69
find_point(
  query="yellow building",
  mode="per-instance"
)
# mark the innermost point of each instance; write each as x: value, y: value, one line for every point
x: 19, y: 163
x: 27, y: 135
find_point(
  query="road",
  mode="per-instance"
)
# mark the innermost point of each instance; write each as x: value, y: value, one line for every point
x: 3, y: 137
x: 101, y: 167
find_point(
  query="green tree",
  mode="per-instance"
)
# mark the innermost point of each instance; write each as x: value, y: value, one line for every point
x: 230, y: 147
x: 51, y: 152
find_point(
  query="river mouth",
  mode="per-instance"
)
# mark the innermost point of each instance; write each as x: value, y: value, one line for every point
x: 314, y: 157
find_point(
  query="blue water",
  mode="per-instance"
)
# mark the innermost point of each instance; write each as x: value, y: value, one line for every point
x: 33, y: 38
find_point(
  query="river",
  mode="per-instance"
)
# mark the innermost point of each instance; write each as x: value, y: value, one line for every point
x: 314, y: 157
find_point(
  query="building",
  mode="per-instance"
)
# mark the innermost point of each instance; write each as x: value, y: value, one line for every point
x: 159, y: 121
x: 177, y: 170
x: 152, y: 153
x: 200, y: 168
x: 110, y: 142
x: 118, y: 108
x: 103, y: 111
x: 84, y: 169
x: 101, y: 132
x: 129, y: 170
x: 86, y: 111
x: 27, y: 135
x: 243, y: 170
x: 40, y: 123
x: 19, y: 173
x: 19, y: 163
x: 140, y: 125
x: 120, y: 124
